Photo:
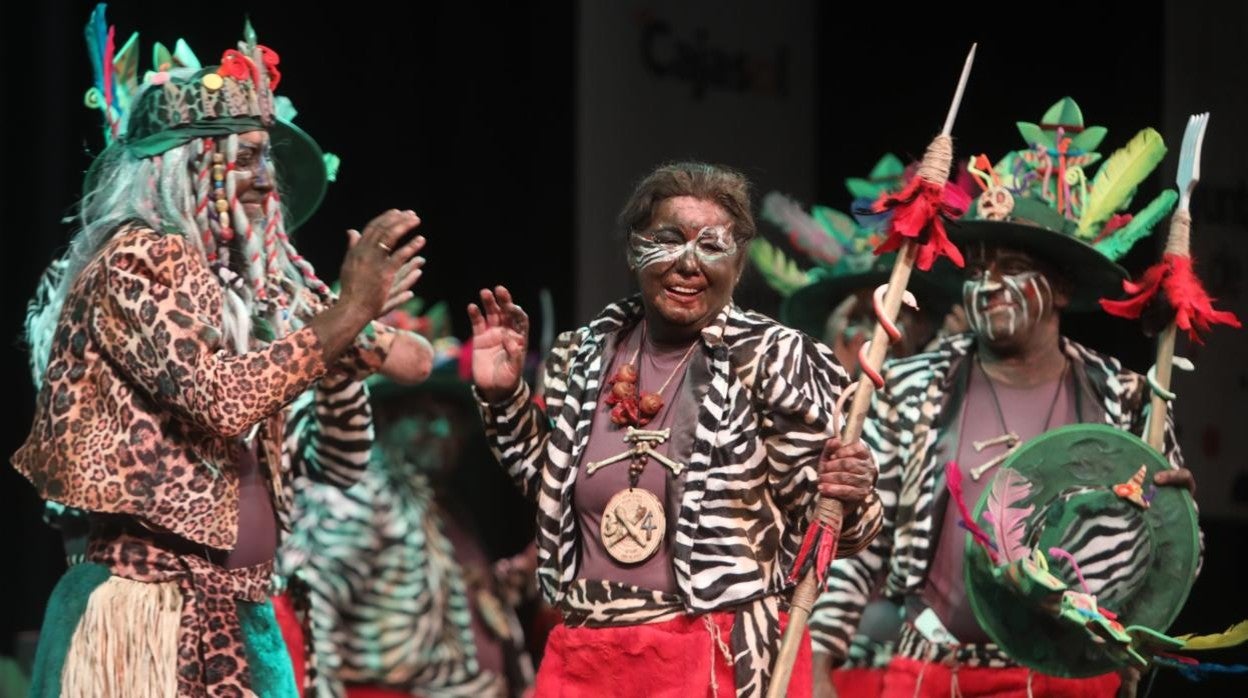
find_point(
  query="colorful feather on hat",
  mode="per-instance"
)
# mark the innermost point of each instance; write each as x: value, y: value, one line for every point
x: 805, y: 233
x: 842, y: 227
x: 126, y: 73
x: 96, y: 33
x: 780, y: 272
x: 1117, y: 244
x: 1116, y: 180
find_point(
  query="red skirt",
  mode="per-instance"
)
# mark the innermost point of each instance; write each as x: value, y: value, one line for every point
x: 680, y: 657
x: 858, y: 683
x: 292, y: 633
x: 903, y: 675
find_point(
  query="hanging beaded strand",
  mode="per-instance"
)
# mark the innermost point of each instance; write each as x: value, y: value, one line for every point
x: 221, y: 205
x: 204, y: 198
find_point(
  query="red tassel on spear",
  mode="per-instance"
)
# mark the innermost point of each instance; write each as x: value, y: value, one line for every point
x: 919, y: 212
x: 1180, y: 288
x: 1174, y: 281
x: 1173, y: 276
x: 917, y: 232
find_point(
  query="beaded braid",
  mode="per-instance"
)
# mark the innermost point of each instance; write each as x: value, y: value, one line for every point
x: 298, y: 266
x: 251, y: 247
x: 202, y: 199
x: 277, y: 274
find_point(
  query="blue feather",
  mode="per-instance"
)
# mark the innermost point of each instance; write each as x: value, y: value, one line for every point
x: 97, y: 38
x: 1201, y: 671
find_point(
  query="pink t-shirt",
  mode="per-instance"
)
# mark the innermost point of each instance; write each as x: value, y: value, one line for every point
x: 592, y: 492
x: 1026, y: 412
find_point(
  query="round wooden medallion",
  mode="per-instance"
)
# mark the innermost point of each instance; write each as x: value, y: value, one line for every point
x: 633, y: 525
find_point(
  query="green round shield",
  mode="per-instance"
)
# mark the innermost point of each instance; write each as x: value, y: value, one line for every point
x: 1058, y: 491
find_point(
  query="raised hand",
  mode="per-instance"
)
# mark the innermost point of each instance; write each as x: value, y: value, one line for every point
x: 407, y: 276
x: 500, y: 338
x: 374, y: 275
x: 375, y: 271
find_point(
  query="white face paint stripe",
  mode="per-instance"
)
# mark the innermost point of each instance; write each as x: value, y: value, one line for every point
x: 972, y: 291
x: 1011, y: 282
x: 644, y: 252
x: 1041, y: 294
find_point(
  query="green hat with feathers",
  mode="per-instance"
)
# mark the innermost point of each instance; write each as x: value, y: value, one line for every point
x: 179, y: 100
x: 841, y: 246
x: 1046, y: 200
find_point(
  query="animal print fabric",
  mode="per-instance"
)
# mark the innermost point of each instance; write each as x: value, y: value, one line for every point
x: 767, y: 405
x: 143, y: 405
x: 212, y: 659
x: 907, y: 419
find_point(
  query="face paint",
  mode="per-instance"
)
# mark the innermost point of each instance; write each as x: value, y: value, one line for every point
x: 666, y: 246
x: 1021, y: 298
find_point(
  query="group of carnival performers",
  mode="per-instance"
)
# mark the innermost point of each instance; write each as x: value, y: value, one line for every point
x: 250, y: 469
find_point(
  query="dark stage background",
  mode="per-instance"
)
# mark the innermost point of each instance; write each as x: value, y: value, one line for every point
x: 482, y: 119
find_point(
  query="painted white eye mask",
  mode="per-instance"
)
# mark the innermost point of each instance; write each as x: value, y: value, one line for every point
x: 711, y: 244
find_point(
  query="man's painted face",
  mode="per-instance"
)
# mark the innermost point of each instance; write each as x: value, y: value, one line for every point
x: 1005, y: 294
x: 252, y: 172
x: 687, y: 261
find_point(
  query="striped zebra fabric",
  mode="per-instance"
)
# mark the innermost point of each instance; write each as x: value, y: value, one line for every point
x: 907, y: 419
x: 766, y: 405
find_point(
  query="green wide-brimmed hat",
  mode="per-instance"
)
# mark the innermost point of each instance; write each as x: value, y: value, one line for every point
x: 1043, y: 200
x: 1084, y: 493
x: 841, y: 246
x: 179, y: 101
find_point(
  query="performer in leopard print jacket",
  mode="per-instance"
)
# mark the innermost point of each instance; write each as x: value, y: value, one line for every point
x: 674, y: 458
x: 167, y: 344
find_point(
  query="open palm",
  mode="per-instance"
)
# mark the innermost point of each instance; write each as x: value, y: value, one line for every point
x: 500, y: 338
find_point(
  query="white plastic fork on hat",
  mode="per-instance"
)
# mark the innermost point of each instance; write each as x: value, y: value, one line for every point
x: 1189, y: 158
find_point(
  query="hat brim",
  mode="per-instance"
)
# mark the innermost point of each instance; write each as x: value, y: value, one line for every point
x: 808, y: 308
x: 1088, y: 460
x: 300, y: 165
x: 301, y: 170
x: 1092, y: 275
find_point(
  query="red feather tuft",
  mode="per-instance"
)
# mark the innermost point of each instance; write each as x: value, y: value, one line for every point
x: 953, y: 480
x: 1193, y: 308
x: 821, y: 538
x: 918, y: 213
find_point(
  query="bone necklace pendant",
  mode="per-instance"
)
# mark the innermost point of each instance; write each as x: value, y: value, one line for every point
x: 633, y: 522
x: 633, y: 526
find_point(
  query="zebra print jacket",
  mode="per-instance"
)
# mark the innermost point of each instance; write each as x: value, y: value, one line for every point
x: 908, y: 417
x: 767, y: 400
x: 387, y: 602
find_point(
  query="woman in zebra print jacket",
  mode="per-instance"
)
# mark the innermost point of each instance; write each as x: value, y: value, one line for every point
x: 668, y: 545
